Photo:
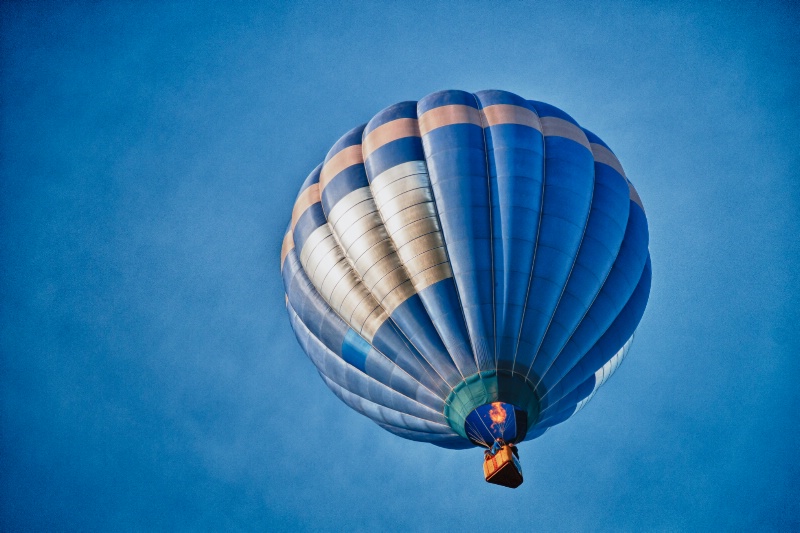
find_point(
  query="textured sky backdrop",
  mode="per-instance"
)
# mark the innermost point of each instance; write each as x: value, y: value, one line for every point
x: 149, y: 157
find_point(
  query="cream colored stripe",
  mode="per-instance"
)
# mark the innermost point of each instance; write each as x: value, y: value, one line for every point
x: 422, y: 244
x: 558, y: 127
x: 372, y: 256
x: 403, y: 185
x: 427, y: 260
x: 396, y: 172
x: 312, y: 242
x: 635, y: 195
x: 373, y: 323
x: 373, y: 274
x: 362, y: 310
x: 607, y: 157
x: 286, y: 246
x: 448, y: 115
x: 426, y: 278
x: 354, y: 216
x: 333, y: 277
x: 391, y: 131
x: 389, y: 281
x: 398, y: 295
x: 346, y: 158
x: 511, y: 114
x: 349, y: 236
x: 414, y: 231
x: 352, y: 302
x: 366, y: 243
x: 408, y: 215
x: 350, y: 200
x: 307, y: 198
x: 406, y: 200
x: 319, y: 245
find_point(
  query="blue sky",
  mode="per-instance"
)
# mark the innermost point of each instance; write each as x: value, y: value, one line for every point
x: 149, y: 157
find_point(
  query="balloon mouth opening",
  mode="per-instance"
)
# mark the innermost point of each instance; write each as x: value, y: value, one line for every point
x: 496, y: 421
x: 492, y: 404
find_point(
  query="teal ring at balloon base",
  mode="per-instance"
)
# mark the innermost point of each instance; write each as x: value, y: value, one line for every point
x: 488, y: 387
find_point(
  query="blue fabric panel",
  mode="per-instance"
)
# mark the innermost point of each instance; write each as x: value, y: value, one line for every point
x: 325, y: 324
x: 311, y: 219
x: 617, y: 289
x: 390, y: 340
x: 450, y: 442
x: 516, y: 168
x: 601, y: 243
x: 311, y: 179
x: 442, y: 305
x: 441, y: 299
x: 456, y: 158
x: 404, y: 398
x: 546, y: 110
x: 413, y: 320
x: 410, y: 317
x: 350, y: 138
x: 355, y: 350
x: 494, y: 97
x: 606, y: 347
x: 564, y: 409
x: 352, y: 178
x: 392, y: 154
x: 393, y: 112
x: 595, y: 139
x: 568, y: 190
x: 381, y: 414
x: 443, y: 98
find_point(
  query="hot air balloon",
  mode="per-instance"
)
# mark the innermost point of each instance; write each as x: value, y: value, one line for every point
x: 467, y: 270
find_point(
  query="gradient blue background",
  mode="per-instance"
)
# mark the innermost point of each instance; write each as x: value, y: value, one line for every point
x: 150, y: 156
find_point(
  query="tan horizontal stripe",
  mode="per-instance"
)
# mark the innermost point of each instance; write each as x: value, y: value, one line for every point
x: 391, y: 131
x: 511, y: 114
x: 286, y: 247
x: 346, y: 158
x: 448, y: 115
x: 307, y: 198
x: 558, y: 127
x: 635, y: 195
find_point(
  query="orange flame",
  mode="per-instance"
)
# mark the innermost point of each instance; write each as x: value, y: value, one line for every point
x: 498, y: 415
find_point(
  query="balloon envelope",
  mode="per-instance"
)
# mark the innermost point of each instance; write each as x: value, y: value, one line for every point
x: 467, y: 267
